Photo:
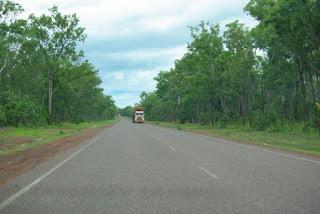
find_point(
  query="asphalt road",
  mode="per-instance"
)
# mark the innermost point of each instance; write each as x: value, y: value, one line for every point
x: 140, y: 168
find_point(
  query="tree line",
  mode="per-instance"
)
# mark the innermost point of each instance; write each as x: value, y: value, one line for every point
x: 264, y: 78
x: 44, y: 78
x: 126, y: 111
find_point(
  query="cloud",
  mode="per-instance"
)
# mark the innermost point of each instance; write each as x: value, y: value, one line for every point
x: 109, y: 18
x: 118, y: 75
x: 126, y: 91
x: 130, y: 41
x: 150, y: 53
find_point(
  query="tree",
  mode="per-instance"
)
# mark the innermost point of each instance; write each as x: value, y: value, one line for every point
x: 266, y: 77
x: 317, y: 117
x: 40, y: 63
x: 241, y: 60
x: 9, y: 31
x: 293, y: 41
x: 57, y: 36
x: 126, y: 111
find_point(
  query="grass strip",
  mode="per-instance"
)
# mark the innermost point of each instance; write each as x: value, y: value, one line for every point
x: 13, y: 140
x: 296, y: 141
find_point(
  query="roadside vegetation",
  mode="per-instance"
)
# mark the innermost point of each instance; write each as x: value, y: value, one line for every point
x: 127, y: 111
x: 16, y: 139
x: 295, y: 141
x: 259, y: 85
x: 48, y: 89
x: 44, y: 78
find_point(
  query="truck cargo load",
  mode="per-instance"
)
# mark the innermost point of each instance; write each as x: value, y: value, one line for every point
x: 138, y: 115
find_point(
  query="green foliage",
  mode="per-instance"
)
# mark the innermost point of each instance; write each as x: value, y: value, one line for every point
x: 43, y: 77
x: 267, y: 121
x: 20, y: 110
x: 126, y: 112
x: 223, y: 121
x: 317, y: 117
x: 44, y: 134
x: 3, y: 118
x: 265, y: 78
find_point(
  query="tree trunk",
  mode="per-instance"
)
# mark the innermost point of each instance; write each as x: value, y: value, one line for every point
x: 303, y: 88
x: 50, y: 94
x: 318, y: 85
x: 242, y: 110
x: 4, y: 64
x: 282, y: 110
x: 291, y: 111
x: 224, y: 108
x: 262, y: 98
x: 198, y: 113
x: 312, y: 87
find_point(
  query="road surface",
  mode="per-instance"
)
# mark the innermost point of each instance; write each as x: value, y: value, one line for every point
x: 140, y: 168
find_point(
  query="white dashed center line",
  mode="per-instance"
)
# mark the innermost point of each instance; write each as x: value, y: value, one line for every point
x: 209, y: 173
x: 172, y: 149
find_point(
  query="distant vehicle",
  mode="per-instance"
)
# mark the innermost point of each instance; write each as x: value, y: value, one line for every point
x: 138, y: 115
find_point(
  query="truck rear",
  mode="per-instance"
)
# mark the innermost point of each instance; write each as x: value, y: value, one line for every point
x: 138, y: 115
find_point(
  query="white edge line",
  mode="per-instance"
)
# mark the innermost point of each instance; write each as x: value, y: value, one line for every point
x: 289, y: 156
x: 244, y: 145
x: 35, y: 182
x: 209, y: 173
x: 256, y: 147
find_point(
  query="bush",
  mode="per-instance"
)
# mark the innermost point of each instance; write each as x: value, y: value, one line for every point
x: 259, y: 122
x: 22, y: 111
x: 3, y: 119
x: 267, y: 121
x: 307, y: 128
x: 223, y: 121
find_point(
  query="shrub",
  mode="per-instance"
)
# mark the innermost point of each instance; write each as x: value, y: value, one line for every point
x: 267, y: 121
x: 23, y: 111
x: 3, y: 119
x: 223, y: 121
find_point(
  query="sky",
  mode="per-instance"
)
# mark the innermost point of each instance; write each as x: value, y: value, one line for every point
x: 130, y: 41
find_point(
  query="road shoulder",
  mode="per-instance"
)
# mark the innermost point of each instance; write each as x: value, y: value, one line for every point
x: 14, y: 165
x: 228, y: 139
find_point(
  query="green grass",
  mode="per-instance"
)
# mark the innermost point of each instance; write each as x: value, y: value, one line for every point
x: 42, y: 135
x: 296, y: 141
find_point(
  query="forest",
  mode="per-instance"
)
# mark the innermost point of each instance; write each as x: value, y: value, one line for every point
x: 264, y: 78
x: 44, y: 78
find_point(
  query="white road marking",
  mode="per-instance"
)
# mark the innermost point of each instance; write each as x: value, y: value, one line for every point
x: 35, y: 182
x: 290, y: 156
x: 155, y: 138
x: 260, y: 149
x: 276, y: 153
x: 172, y: 149
x: 209, y: 173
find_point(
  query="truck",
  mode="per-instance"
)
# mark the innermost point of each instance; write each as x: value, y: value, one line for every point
x: 138, y: 115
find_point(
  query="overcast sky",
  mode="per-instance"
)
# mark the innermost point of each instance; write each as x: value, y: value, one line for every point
x: 130, y: 41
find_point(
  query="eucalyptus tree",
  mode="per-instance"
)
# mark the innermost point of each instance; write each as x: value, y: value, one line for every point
x: 241, y: 60
x: 263, y: 76
x: 39, y: 64
x: 9, y: 32
x: 289, y: 32
x: 57, y: 36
